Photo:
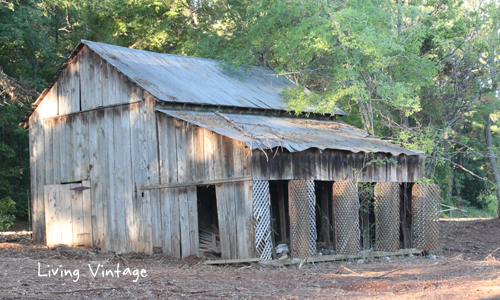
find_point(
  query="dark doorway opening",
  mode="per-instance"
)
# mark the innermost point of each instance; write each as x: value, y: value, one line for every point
x: 208, y: 222
x: 405, y: 215
x: 325, y: 218
x: 280, y: 217
x: 366, y: 215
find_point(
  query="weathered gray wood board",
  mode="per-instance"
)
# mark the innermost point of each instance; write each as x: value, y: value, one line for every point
x: 110, y: 229
x: 243, y: 197
x: 66, y: 221
x: 68, y: 91
x: 156, y: 220
x: 89, y: 82
x: 78, y: 133
x: 334, y: 165
x: 190, y: 153
x: 37, y: 168
x: 145, y: 232
x: 175, y: 224
x: 97, y: 160
x: 52, y: 214
x: 136, y: 171
x: 336, y: 257
x: 234, y: 210
x: 68, y: 214
x: 187, y: 154
x: 79, y: 147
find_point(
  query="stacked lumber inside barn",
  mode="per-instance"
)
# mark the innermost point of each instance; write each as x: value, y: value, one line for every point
x: 210, y: 241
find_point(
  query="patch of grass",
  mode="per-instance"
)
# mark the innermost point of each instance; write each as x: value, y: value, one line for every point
x: 472, y: 212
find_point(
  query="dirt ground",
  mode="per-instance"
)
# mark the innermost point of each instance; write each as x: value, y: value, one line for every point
x: 467, y: 267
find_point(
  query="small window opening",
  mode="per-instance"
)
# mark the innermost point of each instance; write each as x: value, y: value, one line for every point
x: 280, y: 218
x: 208, y: 222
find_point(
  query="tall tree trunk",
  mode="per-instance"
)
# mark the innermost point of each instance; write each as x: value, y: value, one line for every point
x: 493, y: 159
x: 365, y: 116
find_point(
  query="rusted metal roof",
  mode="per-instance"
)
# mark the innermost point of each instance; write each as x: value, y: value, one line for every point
x: 184, y: 79
x: 294, y: 134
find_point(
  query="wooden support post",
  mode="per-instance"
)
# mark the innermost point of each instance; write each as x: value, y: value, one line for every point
x: 232, y: 261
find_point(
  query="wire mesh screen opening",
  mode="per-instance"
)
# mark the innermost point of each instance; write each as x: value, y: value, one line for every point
x: 387, y: 216
x: 262, y: 218
x: 302, y: 218
x: 426, y: 199
x: 346, y: 204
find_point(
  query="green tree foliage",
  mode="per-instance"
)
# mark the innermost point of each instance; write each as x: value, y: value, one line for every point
x: 14, y: 158
x: 421, y: 72
x: 415, y: 71
x: 7, y: 210
x: 37, y: 36
x: 26, y: 63
x: 353, y: 53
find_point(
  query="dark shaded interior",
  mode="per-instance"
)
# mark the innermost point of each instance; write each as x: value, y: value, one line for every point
x: 405, y: 216
x: 280, y: 217
x: 207, y: 206
x: 325, y: 217
x: 366, y: 215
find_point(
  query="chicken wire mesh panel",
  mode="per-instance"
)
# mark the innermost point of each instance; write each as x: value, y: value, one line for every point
x: 387, y: 216
x: 311, y: 200
x: 346, y: 204
x: 302, y: 218
x: 425, y: 209
x: 262, y: 217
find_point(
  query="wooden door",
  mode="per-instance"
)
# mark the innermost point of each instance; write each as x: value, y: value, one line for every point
x: 68, y: 214
x: 234, y: 213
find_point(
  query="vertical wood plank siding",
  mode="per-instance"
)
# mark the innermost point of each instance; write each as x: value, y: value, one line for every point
x: 37, y: 168
x: 235, y: 214
x: 334, y: 165
x: 75, y: 137
x: 102, y: 146
x: 189, y: 153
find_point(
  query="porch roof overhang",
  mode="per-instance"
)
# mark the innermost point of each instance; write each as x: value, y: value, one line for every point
x: 293, y: 134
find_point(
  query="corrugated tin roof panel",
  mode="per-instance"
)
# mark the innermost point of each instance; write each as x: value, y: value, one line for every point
x: 265, y: 132
x: 184, y: 79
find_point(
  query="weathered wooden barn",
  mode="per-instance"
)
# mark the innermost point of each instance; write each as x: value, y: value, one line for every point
x: 134, y: 151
